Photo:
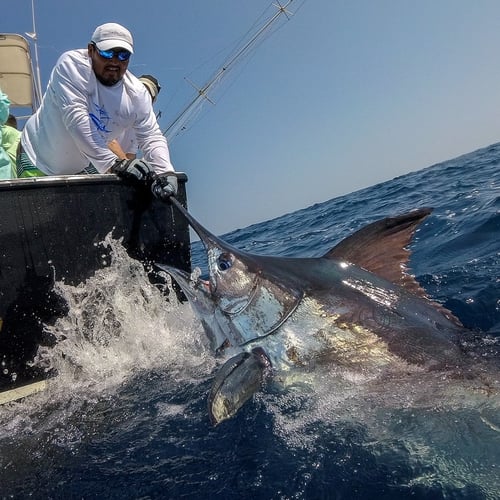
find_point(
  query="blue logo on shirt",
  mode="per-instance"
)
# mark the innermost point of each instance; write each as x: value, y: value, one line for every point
x: 102, y: 120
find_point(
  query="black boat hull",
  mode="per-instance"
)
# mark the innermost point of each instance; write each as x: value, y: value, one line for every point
x: 50, y: 230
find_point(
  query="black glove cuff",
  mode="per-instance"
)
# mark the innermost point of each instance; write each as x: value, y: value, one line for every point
x: 119, y: 166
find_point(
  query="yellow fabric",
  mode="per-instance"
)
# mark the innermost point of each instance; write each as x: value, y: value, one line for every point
x: 10, y: 141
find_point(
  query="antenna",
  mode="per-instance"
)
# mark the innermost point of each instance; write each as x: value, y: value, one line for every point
x: 37, y: 80
x: 179, y: 122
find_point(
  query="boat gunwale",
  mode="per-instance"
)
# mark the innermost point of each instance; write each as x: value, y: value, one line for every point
x: 66, y: 180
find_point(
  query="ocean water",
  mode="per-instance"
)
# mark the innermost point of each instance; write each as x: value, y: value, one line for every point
x: 127, y: 415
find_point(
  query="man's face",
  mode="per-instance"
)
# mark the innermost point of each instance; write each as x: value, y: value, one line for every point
x: 107, y: 71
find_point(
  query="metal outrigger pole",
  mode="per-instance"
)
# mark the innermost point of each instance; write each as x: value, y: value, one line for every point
x: 37, y: 97
x: 179, y: 122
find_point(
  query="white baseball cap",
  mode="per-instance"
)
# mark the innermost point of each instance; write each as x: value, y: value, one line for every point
x: 112, y: 35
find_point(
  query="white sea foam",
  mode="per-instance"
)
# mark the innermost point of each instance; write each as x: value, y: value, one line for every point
x: 119, y: 325
x: 444, y: 427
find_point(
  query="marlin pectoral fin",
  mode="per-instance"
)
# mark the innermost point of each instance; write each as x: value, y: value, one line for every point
x: 236, y: 382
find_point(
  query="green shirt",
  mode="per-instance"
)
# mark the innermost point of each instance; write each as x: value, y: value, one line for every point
x: 5, y: 165
x: 10, y: 141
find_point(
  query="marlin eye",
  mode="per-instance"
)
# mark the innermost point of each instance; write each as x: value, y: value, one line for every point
x: 224, y: 262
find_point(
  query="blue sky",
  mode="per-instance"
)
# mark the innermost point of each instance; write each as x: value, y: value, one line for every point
x: 342, y: 96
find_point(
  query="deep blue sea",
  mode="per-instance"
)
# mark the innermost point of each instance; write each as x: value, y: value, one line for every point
x: 127, y: 415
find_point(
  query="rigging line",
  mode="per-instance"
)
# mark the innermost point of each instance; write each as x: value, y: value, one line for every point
x: 203, y: 91
x: 280, y: 11
x: 37, y: 82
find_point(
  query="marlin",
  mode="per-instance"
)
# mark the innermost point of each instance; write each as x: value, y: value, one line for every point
x: 356, y: 306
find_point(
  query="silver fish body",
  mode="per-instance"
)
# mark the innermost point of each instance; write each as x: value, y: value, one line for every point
x: 286, y: 312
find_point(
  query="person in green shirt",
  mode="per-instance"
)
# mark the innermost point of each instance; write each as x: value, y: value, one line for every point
x: 5, y: 166
x: 10, y: 141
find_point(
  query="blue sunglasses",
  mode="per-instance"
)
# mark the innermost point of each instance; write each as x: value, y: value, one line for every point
x: 123, y: 55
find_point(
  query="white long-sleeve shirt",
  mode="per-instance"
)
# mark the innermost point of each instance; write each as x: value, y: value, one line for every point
x: 79, y: 116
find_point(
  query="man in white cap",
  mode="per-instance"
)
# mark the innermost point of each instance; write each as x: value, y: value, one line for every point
x: 92, y: 99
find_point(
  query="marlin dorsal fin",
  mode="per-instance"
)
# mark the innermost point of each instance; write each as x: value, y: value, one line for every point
x: 382, y: 248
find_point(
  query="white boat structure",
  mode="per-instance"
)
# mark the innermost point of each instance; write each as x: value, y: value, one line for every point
x: 17, y: 73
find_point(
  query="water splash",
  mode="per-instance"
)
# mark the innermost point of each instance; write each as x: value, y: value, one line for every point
x: 119, y: 326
